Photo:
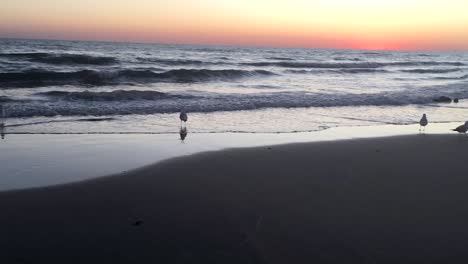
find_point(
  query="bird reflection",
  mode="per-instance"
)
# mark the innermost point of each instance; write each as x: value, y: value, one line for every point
x: 2, y: 121
x: 2, y: 130
x: 183, y: 133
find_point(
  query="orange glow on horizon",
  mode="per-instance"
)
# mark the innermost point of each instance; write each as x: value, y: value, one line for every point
x: 360, y: 24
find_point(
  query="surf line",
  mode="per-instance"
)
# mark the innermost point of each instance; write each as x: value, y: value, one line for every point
x: 63, y: 121
x: 366, y: 120
x: 445, y: 106
x: 163, y: 133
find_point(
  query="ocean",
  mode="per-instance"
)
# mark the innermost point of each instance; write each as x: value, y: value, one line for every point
x: 102, y: 87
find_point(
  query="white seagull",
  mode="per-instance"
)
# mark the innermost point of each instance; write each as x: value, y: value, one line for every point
x: 462, y: 129
x: 183, y: 117
x: 423, y: 122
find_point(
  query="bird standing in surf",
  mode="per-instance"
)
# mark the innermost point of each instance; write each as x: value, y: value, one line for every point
x: 183, y: 117
x: 423, y: 123
x: 462, y: 129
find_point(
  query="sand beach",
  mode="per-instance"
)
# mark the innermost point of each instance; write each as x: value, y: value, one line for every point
x: 382, y: 200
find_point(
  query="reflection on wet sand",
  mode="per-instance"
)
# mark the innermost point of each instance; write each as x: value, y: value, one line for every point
x: 183, y: 133
x: 2, y: 131
x: 2, y: 121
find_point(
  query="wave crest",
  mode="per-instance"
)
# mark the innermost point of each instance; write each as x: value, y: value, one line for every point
x: 340, y: 71
x: 464, y: 77
x: 131, y: 102
x: 61, y: 59
x: 117, y: 95
x: 280, y: 58
x: 6, y: 99
x: 40, y: 78
x: 361, y: 65
x: 423, y: 71
x: 346, y: 59
x: 179, y: 62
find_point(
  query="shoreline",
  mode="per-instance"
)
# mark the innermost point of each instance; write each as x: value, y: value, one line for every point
x: 381, y: 200
x: 31, y: 161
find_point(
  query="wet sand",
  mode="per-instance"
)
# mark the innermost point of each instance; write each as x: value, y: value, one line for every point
x: 383, y: 200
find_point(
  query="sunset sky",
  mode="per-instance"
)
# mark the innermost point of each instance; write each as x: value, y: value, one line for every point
x: 355, y: 24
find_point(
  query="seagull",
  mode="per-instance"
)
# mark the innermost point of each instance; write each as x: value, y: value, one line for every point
x: 423, y: 122
x: 462, y: 129
x: 183, y: 116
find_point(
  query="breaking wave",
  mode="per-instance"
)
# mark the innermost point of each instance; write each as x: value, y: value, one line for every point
x: 147, y: 102
x: 280, y: 58
x: 5, y: 99
x: 179, y: 62
x: 117, y: 95
x: 39, y: 78
x: 432, y: 70
x: 340, y: 71
x: 361, y: 65
x: 464, y: 77
x: 61, y: 59
x: 346, y: 59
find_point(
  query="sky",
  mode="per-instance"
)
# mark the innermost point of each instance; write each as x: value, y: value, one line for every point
x: 349, y: 24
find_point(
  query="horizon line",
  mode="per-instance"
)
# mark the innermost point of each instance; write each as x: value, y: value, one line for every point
x: 223, y: 45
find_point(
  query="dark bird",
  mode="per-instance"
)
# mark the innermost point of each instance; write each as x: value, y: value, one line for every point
x: 183, y: 116
x: 462, y: 129
x: 423, y: 123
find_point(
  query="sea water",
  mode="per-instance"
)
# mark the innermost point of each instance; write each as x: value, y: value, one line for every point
x: 103, y: 87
